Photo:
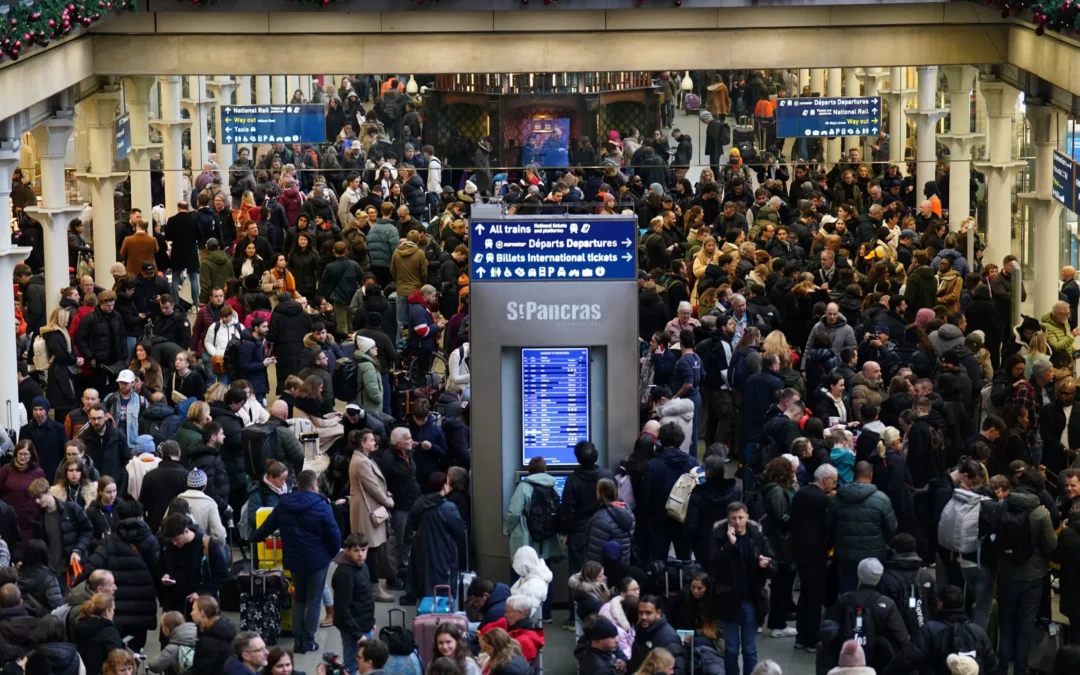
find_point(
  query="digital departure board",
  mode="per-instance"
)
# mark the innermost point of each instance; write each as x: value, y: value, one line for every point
x: 554, y: 402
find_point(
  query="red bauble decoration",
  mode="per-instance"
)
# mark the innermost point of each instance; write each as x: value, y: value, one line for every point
x: 17, y: 46
x: 14, y: 22
x: 35, y: 16
x: 52, y: 23
x: 27, y: 37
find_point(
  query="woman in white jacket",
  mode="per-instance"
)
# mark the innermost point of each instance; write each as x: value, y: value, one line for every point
x: 217, y: 339
x: 459, y: 371
x: 621, y: 610
x: 534, y: 579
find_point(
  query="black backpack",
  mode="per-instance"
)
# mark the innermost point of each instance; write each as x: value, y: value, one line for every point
x: 207, y: 223
x: 755, y: 505
x: 1013, y: 535
x: 850, y: 627
x: 257, y: 442
x: 738, y: 370
x: 399, y: 640
x: 232, y: 357
x: 542, y: 516
x: 346, y: 380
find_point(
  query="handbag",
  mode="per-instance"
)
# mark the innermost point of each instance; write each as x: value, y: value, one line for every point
x: 177, y: 397
x: 74, y: 571
x: 218, y: 364
x: 379, y: 516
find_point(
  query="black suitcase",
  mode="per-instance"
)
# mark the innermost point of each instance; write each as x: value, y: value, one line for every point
x: 667, y: 578
x: 744, y: 132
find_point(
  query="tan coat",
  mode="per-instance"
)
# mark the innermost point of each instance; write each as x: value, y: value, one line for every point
x: 137, y: 249
x: 367, y: 491
x: 718, y: 101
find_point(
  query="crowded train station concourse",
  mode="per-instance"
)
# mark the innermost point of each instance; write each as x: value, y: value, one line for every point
x: 773, y: 309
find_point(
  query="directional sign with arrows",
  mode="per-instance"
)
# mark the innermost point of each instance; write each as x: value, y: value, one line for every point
x: 801, y: 117
x: 531, y: 249
x: 273, y: 123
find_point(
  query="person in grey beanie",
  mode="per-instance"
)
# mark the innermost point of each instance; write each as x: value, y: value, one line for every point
x: 203, y: 509
x: 882, y: 625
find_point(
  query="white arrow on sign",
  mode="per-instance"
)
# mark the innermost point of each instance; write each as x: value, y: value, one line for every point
x: 627, y: 242
x: 479, y: 229
x: 228, y: 110
x: 228, y: 139
x: 873, y: 110
x: 628, y: 257
x: 874, y: 130
x: 480, y: 272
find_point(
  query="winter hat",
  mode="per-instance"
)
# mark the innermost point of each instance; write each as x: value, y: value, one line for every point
x: 145, y: 444
x: 924, y: 316
x: 851, y: 654
x: 978, y: 337
x: 196, y: 479
x: 603, y: 629
x: 908, y: 234
x: 960, y: 664
x: 881, y: 328
x: 735, y: 152
x: 470, y: 187
x: 364, y: 344
x: 657, y: 188
x: 870, y: 571
x: 587, y: 607
x: 1039, y: 366
x: 118, y: 270
x: 40, y: 402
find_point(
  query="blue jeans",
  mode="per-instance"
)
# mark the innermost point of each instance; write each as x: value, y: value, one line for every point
x: 749, y: 451
x: 741, y: 633
x: 980, y: 582
x: 387, y: 395
x: 1018, y: 605
x: 350, y: 649
x: 402, y: 313
x: 193, y: 275
x: 309, y: 589
x: 130, y: 344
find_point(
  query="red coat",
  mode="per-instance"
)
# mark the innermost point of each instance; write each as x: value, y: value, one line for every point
x: 203, y: 320
x: 13, y: 487
x: 291, y: 201
x: 87, y: 370
x: 531, y: 641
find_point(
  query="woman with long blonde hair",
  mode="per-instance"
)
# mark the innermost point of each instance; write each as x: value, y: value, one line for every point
x: 62, y: 360
x: 708, y: 254
x: 503, y: 653
x: 1037, y: 347
x: 658, y: 662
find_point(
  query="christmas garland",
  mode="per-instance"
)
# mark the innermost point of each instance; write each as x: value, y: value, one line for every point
x: 1057, y: 15
x: 35, y: 23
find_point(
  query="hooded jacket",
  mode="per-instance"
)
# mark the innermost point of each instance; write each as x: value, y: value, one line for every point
x: 355, y: 614
x: 409, y: 268
x: 613, y: 611
x: 902, y: 572
x: 309, y: 531
x: 681, y: 412
x: 661, y: 474
x: 533, y: 577
x: 514, y: 525
x: 951, y: 632
x: 423, y: 330
x: 288, y: 325
x: 921, y: 290
x: 840, y: 334
x: 861, y: 522
x: 168, y: 659
x: 613, y: 522
x: 1043, y: 541
x: 215, y: 270
x: 131, y: 553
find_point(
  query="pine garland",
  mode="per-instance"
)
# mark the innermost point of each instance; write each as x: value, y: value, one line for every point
x: 36, y: 23
x: 1057, y: 15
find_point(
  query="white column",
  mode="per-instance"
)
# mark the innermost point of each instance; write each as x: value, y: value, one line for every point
x: 292, y: 83
x: 10, y: 147
x: 832, y: 90
x: 171, y: 127
x: 897, y: 96
x: 961, y: 142
x: 99, y: 111
x: 1001, y: 169
x: 926, y: 117
x: 222, y: 88
x: 262, y: 90
x: 279, y: 95
x: 305, y: 86
x: 804, y: 79
x: 198, y: 106
x: 1047, y: 130
x: 54, y: 214
x: 243, y: 90
x: 817, y: 81
x: 852, y: 87
x: 137, y: 99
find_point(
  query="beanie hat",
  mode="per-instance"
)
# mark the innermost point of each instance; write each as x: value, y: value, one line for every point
x: 364, y: 344
x: 196, y: 479
x: 40, y: 402
x: 145, y: 444
x: 470, y: 187
x: 924, y: 316
x: 881, y: 328
x: 870, y: 571
x: 603, y: 629
x: 960, y: 664
x: 851, y: 655
x: 1039, y: 365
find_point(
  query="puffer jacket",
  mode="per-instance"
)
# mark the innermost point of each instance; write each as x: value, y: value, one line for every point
x: 383, y: 240
x: 615, y: 523
x: 1043, y: 541
x: 131, y: 553
x: 309, y: 532
x: 75, y: 528
x: 213, y: 647
x: 423, y: 331
x: 409, y: 268
x: 661, y: 474
x: 533, y: 576
x: 861, y: 522
x: 208, y: 459
x: 216, y: 269
x: 39, y: 582
x: 865, y: 391
x: 95, y: 637
x: 353, y: 597
x: 1058, y: 336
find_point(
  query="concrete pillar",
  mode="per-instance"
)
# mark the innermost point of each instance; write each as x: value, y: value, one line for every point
x: 10, y: 147
x: 54, y: 214
x: 961, y: 142
x: 262, y: 90
x: 243, y: 90
x: 817, y: 81
x: 305, y: 86
x: 804, y: 79
x: 897, y: 95
x: 852, y: 87
x: 99, y: 111
x: 1047, y: 130
x: 926, y: 117
x: 222, y: 89
x: 171, y: 127
x: 279, y: 95
x: 198, y: 107
x: 832, y: 90
x: 1001, y: 169
x: 137, y: 101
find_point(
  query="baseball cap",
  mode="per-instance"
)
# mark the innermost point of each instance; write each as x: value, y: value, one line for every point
x: 126, y: 376
x: 118, y: 270
x: 147, y: 266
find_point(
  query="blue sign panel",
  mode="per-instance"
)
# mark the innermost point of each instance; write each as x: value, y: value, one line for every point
x: 1063, y: 188
x: 122, y: 133
x: 554, y: 403
x: 589, y: 248
x: 797, y: 117
x: 274, y: 123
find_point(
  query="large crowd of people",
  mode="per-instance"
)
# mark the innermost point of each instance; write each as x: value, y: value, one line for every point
x: 845, y: 439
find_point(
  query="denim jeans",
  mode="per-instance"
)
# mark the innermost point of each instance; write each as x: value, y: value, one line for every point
x: 695, y: 427
x: 387, y: 395
x: 402, y: 313
x: 130, y: 344
x: 980, y: 583
x: 309, y: 589
x: 193, y: 275
x: 749, y: 452
x: 1018, y: 605
x: 741, y: 633
x: 350, y: 648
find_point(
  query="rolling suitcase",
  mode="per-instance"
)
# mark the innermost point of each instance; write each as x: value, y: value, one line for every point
x: 744, y: 132
x: 260, y: 602
x: 426, y: 623
x: 436, y: 603
x: 691, y: 103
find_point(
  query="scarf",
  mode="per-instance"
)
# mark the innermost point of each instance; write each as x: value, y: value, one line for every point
x: 131, y: 426
x: 275, y: 489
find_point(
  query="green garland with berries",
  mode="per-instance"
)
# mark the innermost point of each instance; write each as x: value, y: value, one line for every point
x: 1057, y: 15
x: 31, y: 24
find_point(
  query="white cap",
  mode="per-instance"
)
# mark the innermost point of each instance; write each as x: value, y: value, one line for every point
x: 126, y: 376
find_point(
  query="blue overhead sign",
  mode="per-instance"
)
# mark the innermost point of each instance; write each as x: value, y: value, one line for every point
x: 800, y: 117
x: 571, y: 248
x: 122, y: 133
x: 274, y: 123
x: 1063, y: 188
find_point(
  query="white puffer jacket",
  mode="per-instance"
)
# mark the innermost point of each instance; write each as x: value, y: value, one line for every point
x: 218, y: 336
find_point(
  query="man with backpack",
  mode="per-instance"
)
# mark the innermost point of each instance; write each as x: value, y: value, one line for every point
x: 579, y: 504
x: 1023, y: 542
x: 950, y: 632
x: 866, y: 616
x: 662, y: 473
x: 910, y: 585
x: 192, y: 564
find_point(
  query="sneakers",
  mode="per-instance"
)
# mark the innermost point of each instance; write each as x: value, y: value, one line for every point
x: 811, y: 649
x: 799, y: 645
x: 784, y: 632
x: 307, y: 649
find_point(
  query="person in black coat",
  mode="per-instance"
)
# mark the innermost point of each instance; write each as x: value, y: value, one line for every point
x: 288, y: 325
x: 216, y: 633
x: 579, y: 502
x: 810, y: 545
x: 183, y: 232
x: 653, y: 314
x: 106, y: 449
x: 982, y: 315
x: 61, y: 390
x: 193, y: 561
x: 951, y: 631
x: 661, y: 474
x: 654, y: 631
x: 75, y: 527
x: 47, y: 434
x: 208, y: 459
x: 95, y: 634
x: 131, y: 553
x: 100, y: 337
x: 354, y: 602
x: 600, y: 655
x: 162, y: 484
x: 37, y: 580
x: 708, y: 503
x: 611, y: 522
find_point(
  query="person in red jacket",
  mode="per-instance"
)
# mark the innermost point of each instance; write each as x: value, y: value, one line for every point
x: 516, y: 622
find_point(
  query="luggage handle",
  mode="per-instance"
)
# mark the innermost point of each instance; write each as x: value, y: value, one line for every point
x: 390, y: 616
x: 435, y: 590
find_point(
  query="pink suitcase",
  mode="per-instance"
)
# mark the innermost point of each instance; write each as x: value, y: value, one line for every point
x: 425, y: 624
